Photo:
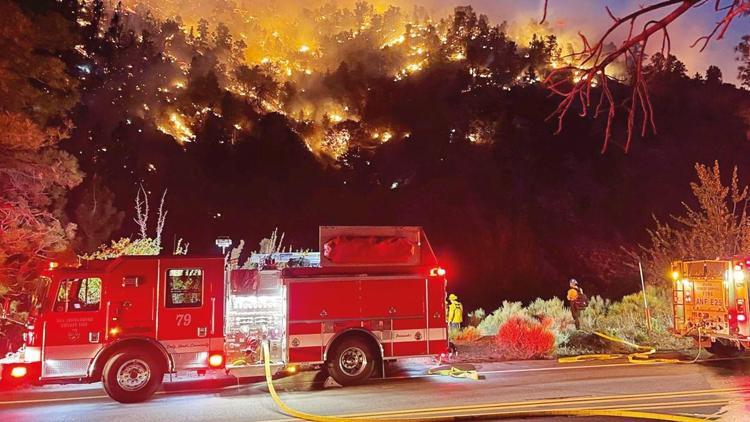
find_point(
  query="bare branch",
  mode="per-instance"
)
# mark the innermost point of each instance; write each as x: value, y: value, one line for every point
x: 161, y: 219
x: 141, y: 211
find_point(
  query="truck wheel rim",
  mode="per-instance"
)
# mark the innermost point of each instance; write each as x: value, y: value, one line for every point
x: 353, y: 361
x: 133, y: 375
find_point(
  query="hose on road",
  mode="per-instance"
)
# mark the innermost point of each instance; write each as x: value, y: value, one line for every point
x: 642, y: 355
x: 405, y: 414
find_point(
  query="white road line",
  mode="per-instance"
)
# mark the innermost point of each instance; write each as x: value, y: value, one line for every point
x: 59, y: 399
x: 498, y: 371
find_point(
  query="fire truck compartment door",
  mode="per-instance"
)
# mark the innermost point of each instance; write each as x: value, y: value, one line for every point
x: 403, y: 302
x: 188, y: 308
x: 73, y: 330
x: 132, y: 297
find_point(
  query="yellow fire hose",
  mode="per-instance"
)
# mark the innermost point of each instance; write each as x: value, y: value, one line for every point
x: 404, y: 415
x: 642, y: 355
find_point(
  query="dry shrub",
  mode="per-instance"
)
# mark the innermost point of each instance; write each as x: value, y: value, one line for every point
x: 562, y: 324
x: 468, y: 335
x: 525, y: 338
x: 490, y: 325
x: 626, y: 319
x: 476, y: 316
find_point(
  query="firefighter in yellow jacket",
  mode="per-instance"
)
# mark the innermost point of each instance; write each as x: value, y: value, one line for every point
x: 455, y: 314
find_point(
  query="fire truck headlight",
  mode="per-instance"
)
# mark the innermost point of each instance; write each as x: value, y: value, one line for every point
x: 438, y: 271
x: 216, y: 360
x: 741, y: 317
x: 19, y: 372
x: 739, y: 275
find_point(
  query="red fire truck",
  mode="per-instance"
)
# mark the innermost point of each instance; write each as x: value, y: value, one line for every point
x: 710, y: 299
x: 378, y: 295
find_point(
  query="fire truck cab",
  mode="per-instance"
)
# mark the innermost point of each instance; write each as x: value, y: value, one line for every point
x: 126, y: 322
x: 377, y: 295
x: 710, y: 300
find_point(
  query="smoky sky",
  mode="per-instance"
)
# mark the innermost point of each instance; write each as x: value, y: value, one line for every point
x: 590, y: 17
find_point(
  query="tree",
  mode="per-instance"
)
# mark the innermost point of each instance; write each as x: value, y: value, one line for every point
x: 222, y: 37
x: 591, y: 61
x: 33, y: 81
x: 35, y: 94
x: 743, y: 48
x: 667, y: 67
x: 718, y: 227
x: 713, y: 75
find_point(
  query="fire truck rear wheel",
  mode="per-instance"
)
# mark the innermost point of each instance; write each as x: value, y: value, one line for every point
x: 352, y: 361
x: 132, y: 376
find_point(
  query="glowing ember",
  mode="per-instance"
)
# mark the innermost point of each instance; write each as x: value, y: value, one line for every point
x: 336, y: 142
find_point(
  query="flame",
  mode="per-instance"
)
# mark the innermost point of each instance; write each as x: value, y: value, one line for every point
x: 458, y: 56
x: 299, y: 48
x: 178, y: 129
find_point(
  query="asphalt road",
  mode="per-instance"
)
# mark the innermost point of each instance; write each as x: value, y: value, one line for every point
x: 717, y: 388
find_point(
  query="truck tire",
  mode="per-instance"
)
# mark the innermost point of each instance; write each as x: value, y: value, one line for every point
x: 352, y: 361
x: 132, y: 376
x: 724, y: 350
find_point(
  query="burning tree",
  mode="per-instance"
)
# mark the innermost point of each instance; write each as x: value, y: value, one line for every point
x: 593, y: 59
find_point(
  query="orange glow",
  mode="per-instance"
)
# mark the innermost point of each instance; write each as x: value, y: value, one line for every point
x: 53, y: 265
x: 114, y: 331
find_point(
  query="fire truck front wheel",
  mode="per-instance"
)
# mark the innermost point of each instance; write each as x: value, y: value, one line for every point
x: 132, y: 376
x: 352, y: 361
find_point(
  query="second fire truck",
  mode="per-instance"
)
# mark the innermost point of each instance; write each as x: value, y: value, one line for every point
x: 378, y: 295
x: 710, y: 299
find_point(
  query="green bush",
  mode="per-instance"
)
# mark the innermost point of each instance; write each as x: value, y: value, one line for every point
x: 475, y: 317
x: 562, y: 324
x: 626, y: 319
x: 490, y: 325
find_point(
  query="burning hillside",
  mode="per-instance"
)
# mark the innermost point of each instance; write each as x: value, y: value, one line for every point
x: 317, y: 66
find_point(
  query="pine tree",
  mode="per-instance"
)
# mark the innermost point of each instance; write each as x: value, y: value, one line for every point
x: 713, y: 76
